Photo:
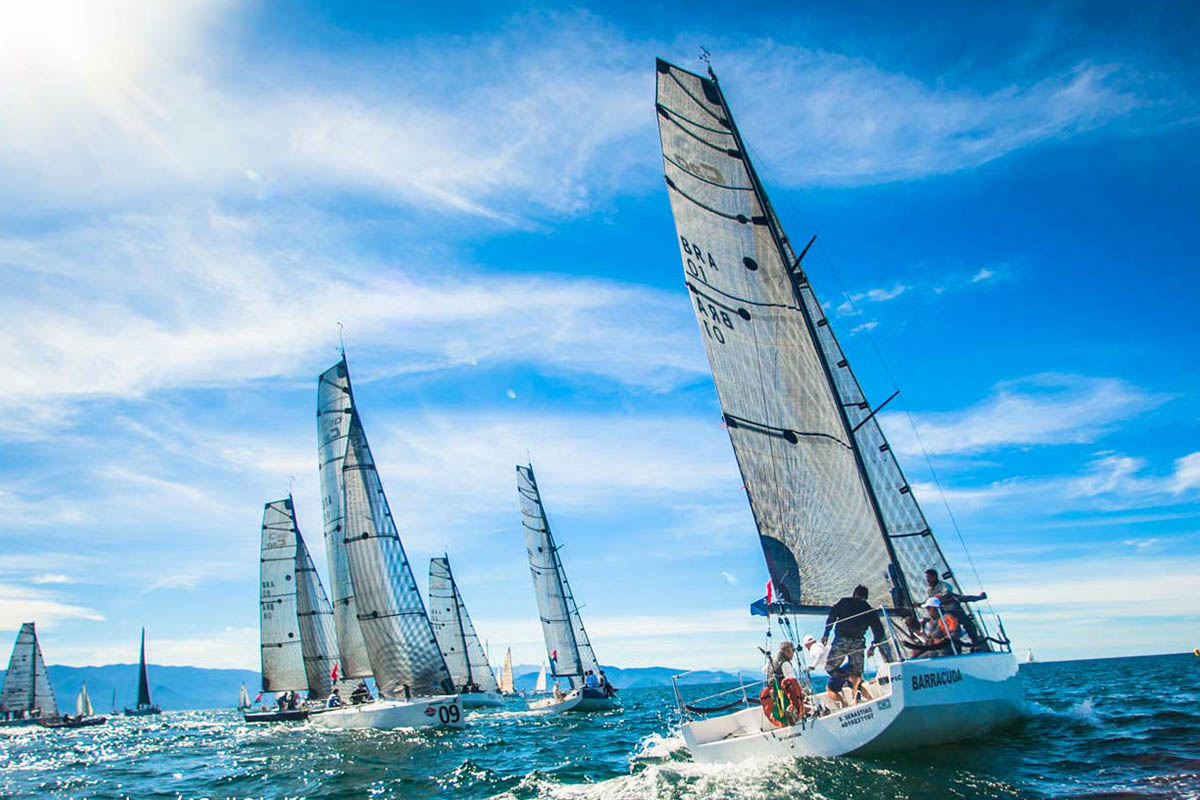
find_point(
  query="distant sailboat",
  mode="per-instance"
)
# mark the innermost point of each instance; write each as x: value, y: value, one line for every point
x: 540, y: 686
x: 830, y: 503
x: 464, y: 654
x: 85, y: 716
x: 83, y: 703
x: 1029, y: 659
x: 382, y: 627
x: 243, y: 699
x: 144, y: 707
x: 567, y: 643
x: 506, y: 675
x: 27, y: 696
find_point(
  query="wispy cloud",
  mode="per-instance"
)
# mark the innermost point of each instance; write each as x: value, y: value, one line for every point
x: 1038, y: 410
x: 849, y: 306
x: 19, y: 604
x: 201, y: 299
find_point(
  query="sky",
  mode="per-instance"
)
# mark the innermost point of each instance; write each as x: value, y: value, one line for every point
x: 196, y: 194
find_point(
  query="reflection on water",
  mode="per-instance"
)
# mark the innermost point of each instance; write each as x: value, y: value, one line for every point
x: 1110, y: 728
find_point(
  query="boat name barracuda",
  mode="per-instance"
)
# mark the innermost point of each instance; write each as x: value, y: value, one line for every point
x: 929, y: 680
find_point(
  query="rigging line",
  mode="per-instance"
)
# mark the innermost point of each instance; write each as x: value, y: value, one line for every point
x: 872, y: 339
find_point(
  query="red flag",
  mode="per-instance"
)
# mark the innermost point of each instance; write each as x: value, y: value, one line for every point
x: 554, y: 655
x: 258, y: 697
x: 333, y: 673
x: 768, y: 593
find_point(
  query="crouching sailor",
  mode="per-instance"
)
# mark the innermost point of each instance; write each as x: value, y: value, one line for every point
x: 782, y: 698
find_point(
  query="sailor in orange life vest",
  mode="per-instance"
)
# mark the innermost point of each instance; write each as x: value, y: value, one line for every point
x: 781, y: 672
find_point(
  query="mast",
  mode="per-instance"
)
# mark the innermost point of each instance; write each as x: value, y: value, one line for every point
x: 795, y: 273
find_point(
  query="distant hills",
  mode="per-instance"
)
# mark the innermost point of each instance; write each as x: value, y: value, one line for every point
x: 180, y: 688
x: 173, y: 688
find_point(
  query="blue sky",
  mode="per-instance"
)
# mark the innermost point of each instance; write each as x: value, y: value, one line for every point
x: 196, y: 193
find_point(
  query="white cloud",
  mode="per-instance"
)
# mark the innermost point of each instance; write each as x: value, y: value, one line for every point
x: 1039, y: 410
x: 849, y: 306
x: 52, y: 578
x: 866, y: 326
x: 845, y: 120
x: 1187, y: 474
x: 201, y: 299
x: 983, y: 275
x: 19, y: 604
x: 729, y: 577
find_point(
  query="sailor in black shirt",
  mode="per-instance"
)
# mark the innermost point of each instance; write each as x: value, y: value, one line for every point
x: 849, y: 619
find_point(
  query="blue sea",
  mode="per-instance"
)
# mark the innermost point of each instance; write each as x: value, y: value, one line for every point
x: 1111, y: 728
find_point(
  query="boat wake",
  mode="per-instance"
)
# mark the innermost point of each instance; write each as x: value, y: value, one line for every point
x: 1083, y: 711
x: 657, y: 748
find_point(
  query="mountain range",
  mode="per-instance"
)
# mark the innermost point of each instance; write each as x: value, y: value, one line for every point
x: 114, y: 686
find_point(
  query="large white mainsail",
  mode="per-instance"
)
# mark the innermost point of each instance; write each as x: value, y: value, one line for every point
x: 506, y: 674
x: 831, y: 504
x: 279, y: 627
x: 567, y: 642
x: 27, y: 688
x: 403, y: 652
x: 460, y: 644
x: 335, y: 406
x: 318, y: 635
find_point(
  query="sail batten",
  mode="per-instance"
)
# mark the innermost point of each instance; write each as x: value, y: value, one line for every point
x: 829, y: 500
x: 403, y: 652
x: 456, y: 635
x: 335, y: 406
x: 567, y: 643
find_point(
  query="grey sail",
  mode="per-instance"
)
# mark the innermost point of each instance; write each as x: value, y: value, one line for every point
x: 318, y: 636
x: 567, y: 642
x: 279, y: 628
x: 399, y: 640
x: 335, y: 406
x: 832, y: 507
x: 460, y: 644
x: 27, y: 688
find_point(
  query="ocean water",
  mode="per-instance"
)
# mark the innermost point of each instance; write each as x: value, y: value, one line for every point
x: 1113, y: 728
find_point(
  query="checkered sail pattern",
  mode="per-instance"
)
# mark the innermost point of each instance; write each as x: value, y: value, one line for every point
x: 335, y: 406
x: 26, y: 684
x: 464, y: 653
x: 822, y: 482
x: 400, y: 644
x: 567, y: 642
x: 279, y: 628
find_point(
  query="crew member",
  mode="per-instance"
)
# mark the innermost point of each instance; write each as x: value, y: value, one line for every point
x: 849, y: 619
x: 782, y: 698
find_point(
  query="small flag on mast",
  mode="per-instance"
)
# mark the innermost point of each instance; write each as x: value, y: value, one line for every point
x: 333, y: 673
x: 768, y: 594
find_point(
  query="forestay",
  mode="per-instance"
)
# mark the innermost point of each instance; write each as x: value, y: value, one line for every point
x: 399, y: 640
x: 567, y: 642
x: 279, y: 629
x: 335, y: 406
x: 829, y: 500
x: 460, y: 644
x: 26, y: 684
x: 318, y: 637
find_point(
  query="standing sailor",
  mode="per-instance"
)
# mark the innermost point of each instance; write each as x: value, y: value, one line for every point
x: 849, y: 619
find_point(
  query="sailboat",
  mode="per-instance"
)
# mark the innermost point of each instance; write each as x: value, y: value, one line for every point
x: 27, y: 696
x: 85, y: 715
x: 296, y: 629
x: 506, y: 675
x: 243, y: 699
x: 1029, y: 659
x: 382, y: 627
x: 567, y: 643
x: 460, y: 645
x: 144, y: 707
x: 828, y: 497
x: 540, y: 686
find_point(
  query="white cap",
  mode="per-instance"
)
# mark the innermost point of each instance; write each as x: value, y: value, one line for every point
x: 810, y: 639
x: 933, y: 602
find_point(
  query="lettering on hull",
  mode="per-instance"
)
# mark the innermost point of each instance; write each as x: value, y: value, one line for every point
x: 930, y: 680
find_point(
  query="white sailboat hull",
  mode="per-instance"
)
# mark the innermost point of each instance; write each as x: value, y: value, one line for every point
x: 574, y: 701
x: 422, y: 712
x: 482, y: 699
x: 924, y: 702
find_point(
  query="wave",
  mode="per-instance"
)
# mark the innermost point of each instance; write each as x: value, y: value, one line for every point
x: 1083, y: 711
